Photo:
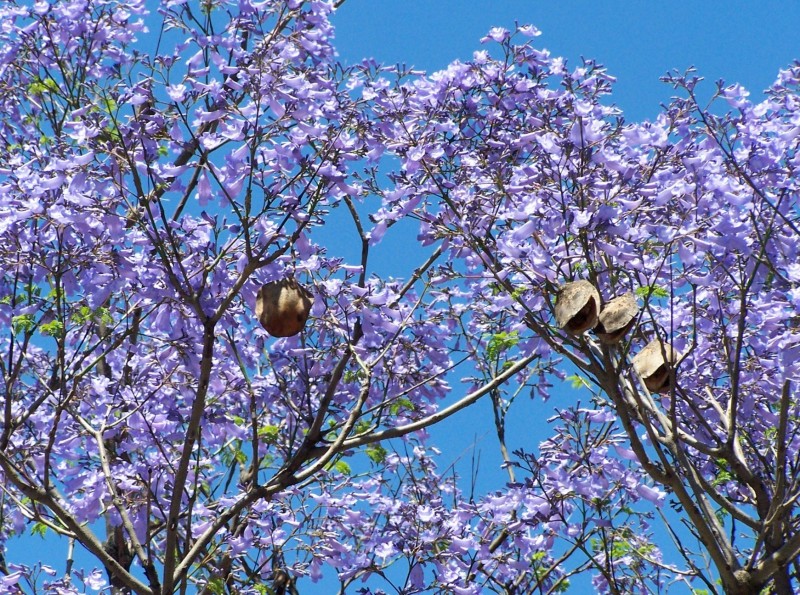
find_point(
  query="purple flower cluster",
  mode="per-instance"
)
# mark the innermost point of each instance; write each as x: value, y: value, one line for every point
x: 148, y: 190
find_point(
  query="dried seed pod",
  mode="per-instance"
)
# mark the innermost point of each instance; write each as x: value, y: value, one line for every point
x: 577, y: 306
x: 653, y: 365
x: 616, y: 318
x: 282, y: 307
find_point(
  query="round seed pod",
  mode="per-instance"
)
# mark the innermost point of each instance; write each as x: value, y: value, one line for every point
x: 653, y: 365
x: 282, y: 307
x: 617, y: 318
x: 577, y: 306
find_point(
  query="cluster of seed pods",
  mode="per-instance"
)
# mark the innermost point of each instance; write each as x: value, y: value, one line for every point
x: 579, y: 308
x: 282, y: 308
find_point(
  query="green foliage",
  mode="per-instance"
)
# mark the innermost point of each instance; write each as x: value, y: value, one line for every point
x: 647, y: 291
x: 32, y: 291
x: 54, y: 328
x: 22, y: 323
x: 541, y: 569
x: 362, y: 426
x: 621, y: 545
x: 216, y: 585
x: 339, y: 466
x: 501, y: 342
x: 111, y: 134
x: 40, y: 86
x: 723, y: 474
x: 401, y: 404
x: 269, y: 434
x: 356, y: 375
x: 577, y: 381
x: 376, y: 453
x: 230, y: 454
x: 85, y: 314
x: 441, y: 545
x: 82, y: 315
x: 108, y: 105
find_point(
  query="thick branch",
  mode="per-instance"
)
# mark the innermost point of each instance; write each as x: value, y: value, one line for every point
x: 81, y: 531
x: 182, y: 472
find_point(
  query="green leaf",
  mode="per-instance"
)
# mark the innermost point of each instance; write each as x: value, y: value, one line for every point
x: 620, y: 549
x: 104, y: 316
x: 377, y: 453
x: 36, y: 88
x: 340, y: 467
x: 563, y: 586
x: 22, y: 323
x: 228, y: 455
x: 723, y: 473
x: 54, y: 328
x: 353, y: 375
x: 399, y: 404
x: 111, y: 134
x: 85, y: 314
x: 216, y: 585
x: 41, y: 86
x: 55, y: 293
x: 269, y: 433
x: 441, y: 545
x: 577, y: 381
x: 39, y: 529
x: 647, y: 291
x: 82, y: 315
x: 501, y: 342
x: 108, y: 105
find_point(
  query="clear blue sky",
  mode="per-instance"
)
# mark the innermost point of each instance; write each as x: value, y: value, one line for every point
x: 745, y: 42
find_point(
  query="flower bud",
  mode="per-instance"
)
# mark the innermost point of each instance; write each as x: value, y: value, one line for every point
x: 282, y: 307
x: 577, y: 305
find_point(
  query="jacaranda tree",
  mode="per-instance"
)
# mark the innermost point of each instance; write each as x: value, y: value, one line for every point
x: 208, y: 385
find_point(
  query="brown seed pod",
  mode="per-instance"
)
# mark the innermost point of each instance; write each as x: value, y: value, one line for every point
x: 282, y: 307
x: 653, y: 364
x: 616, y: 318
x: 577, y: 305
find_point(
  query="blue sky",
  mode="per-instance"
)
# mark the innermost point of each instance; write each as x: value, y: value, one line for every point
x: 745, y: 42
